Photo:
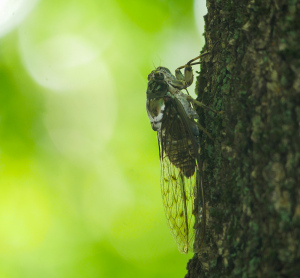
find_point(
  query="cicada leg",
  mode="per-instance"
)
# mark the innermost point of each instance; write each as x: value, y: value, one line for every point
x: 205, y: 131
x: 185, y: 80
x: 200, y: 104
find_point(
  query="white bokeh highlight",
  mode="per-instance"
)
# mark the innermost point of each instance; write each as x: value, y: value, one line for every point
x: 13, y: 12
x: 61, y: 63
x: 200, y: 10
x: 81, y: 104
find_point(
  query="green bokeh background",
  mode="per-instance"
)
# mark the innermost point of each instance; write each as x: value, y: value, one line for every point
x: 79, y: 164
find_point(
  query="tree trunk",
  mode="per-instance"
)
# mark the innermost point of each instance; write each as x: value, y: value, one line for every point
x: 251, y: 172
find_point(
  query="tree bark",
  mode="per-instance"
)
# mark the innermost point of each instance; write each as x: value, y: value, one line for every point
x: 251, y: 172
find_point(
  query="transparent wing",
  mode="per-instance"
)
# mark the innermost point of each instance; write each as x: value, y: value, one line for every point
x: 180, y: 179
x: 178, y: 193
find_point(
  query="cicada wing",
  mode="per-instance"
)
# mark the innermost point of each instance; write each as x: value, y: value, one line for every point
x: 178, y: 193
x: 200, y: 213
x: 180, y: 179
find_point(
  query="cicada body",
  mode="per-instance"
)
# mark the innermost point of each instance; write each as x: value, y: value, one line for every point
x: 174, y: 119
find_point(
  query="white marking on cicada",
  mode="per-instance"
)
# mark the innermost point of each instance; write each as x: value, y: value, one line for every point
x: 155, y: 121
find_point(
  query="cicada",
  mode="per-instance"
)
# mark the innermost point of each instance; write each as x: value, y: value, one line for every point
x: 173, y: 116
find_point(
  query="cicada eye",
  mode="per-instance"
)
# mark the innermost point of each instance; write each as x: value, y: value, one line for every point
x: 158, y: 75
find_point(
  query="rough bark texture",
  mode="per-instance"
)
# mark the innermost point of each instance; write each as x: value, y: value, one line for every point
x: 252, y: 170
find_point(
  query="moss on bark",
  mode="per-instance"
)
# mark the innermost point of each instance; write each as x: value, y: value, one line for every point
x: 252, y: 170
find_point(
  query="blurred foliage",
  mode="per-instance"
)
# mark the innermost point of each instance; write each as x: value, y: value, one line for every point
x: 79, y: 165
